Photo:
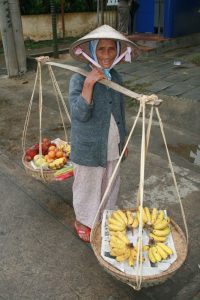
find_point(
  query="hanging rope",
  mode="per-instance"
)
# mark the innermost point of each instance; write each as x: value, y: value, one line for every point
x: 173, y: 175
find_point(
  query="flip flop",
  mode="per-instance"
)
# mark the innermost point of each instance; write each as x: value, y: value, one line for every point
x: 83, y: 233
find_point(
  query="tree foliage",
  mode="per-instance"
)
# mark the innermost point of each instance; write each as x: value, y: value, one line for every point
x: 33, y: 7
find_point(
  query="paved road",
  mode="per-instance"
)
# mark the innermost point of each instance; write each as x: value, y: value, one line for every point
x: 40, y: 255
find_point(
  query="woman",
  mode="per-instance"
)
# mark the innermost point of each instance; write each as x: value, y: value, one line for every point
x: 98, y: 124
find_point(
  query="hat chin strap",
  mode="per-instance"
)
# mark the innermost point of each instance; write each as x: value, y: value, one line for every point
x: 126, y: 54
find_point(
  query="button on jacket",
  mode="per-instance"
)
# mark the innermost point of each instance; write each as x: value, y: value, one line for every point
x: 90, y: 122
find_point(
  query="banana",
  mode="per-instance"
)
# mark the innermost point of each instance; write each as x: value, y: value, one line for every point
x: 157, y: 238
x: 161, y: 225
x: 148, y: 214
x: 121, y: 258
x: 117, y: 245
x: 156, y: 254
x: 160, y: 217
x: 151, y: 256
x: 145, y: 248
x: 129, y: 217
x: 116, y: 222
x: 135, y: 223
x: 113, y: 227
x: 133, y: 252
x: 123, y: 216
x: 116, y: 240
x: 154, y: 215
x: 131, y: 261
x: 144, y: 217
x: 123, y: 238
x: 162, y: 253
x: 116, y: 216
x: 138, y: 218
x: 163, y: 232
x: 117, y: 252
x: 115, y: 233
x: 166, y: 248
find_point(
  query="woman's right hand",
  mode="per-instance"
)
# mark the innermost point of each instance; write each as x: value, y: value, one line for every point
x: 95, y: 75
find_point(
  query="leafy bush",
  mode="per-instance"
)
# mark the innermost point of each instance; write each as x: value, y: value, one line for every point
x: 30, y: 7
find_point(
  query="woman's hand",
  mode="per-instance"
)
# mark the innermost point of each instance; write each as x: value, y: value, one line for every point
x: 92, y: 77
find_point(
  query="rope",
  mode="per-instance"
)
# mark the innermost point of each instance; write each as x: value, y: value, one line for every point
x: 60, y: 94
x: 57, y: 99
x: 173, y: 175
x: 146, y: 146
x: 40, y: 117
x: 24, y: 133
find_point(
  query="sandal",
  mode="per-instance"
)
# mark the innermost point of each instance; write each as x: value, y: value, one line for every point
x: 83, y: 233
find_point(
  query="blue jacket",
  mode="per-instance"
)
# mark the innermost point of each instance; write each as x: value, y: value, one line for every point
x: 90, y: 122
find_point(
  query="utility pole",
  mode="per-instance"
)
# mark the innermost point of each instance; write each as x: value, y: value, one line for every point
x: 102, y: 12
x: 54, y: 29
x: 12, y: 37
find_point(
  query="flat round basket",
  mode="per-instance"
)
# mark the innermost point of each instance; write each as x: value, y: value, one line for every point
x: 181, y: 249
x: 48, y: 175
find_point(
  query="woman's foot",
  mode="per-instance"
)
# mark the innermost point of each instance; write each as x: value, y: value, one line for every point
x: 82, y: 231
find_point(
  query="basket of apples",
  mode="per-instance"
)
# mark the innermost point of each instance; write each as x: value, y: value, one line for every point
x: 49, y: 163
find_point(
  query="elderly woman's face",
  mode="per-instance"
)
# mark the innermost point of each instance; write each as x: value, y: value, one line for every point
x: 106, y: 52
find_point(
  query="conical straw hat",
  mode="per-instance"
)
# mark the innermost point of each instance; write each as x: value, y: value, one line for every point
x: 102, y: 32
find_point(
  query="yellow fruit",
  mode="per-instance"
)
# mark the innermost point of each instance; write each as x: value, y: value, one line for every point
x: 133, y: 252
x: 117, y: 252
x: 123, y: 216
x: 123, y: 257
x: 117, y: 217
x: 162, y: 224
x: 116, y: 222
x: 117, y: 245
x: 123, y: 238
x: 154, y: 215
x: 138, y: 217
x: 151, y: 256
x: 162, y: 253
x: 156, y: 254
x: 160, y: 217
x: 129, y: 217
x: 148, y: 214
x: 115, y: 227
x: 163, y: 232
x: 145, y: 248
x: 131, y: 261
x: 135, y: 223
x: 114, y: 233
x: 166, y: 248
x: 157, y: 238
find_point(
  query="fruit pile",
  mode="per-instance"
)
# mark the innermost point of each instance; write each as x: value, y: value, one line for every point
x: 156, y: 225
x: 53, y: 156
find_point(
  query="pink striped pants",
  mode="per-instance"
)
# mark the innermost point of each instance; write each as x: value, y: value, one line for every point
x: 88, y: 189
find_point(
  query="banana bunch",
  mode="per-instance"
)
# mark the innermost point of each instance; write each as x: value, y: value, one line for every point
x: 65, y: 147
x: 57, y: 163
x: 159, y: 252
x: 122, y: 249
x: 160, y: 226
x: 117, y: 221
x: 155, y: 221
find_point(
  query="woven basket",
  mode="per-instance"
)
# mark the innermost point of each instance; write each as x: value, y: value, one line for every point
x: 181, y: 249
x: 48, y: 175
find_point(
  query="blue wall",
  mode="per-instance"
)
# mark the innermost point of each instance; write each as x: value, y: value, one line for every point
x: 181, y: 17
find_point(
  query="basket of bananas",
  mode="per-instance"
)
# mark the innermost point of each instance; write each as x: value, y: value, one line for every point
x: 52, y: 163
x: 115, y: 244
